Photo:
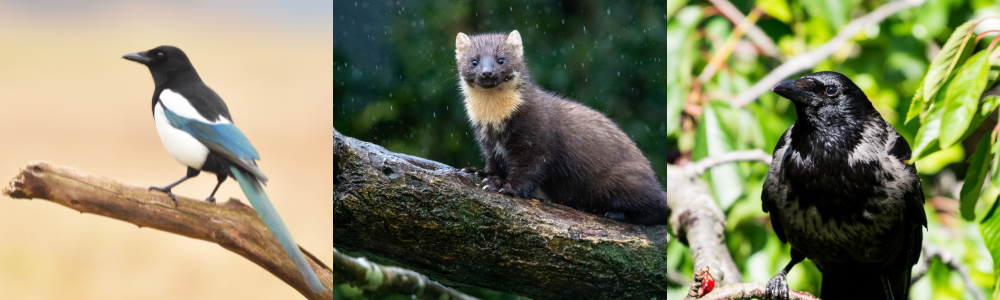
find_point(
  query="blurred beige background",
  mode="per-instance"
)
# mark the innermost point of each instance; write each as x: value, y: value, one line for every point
x: 67, y: 97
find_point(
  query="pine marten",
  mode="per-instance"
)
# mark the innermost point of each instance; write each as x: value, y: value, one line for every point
x: 534, y: 139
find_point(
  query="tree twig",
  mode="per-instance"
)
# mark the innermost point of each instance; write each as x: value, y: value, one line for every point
x: 699, y: 223
x: 747, y: 291
x: 809, y: 59
x: 736, y: 291
x: 948, y: 259
x: 433, y: 219
x: 720, y: 56
x: 385, y: 280
x: 756, y: 35
x: 231, y: 224
x: 697, y: 168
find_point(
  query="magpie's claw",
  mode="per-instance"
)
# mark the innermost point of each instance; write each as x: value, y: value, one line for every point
x: 169, y: 193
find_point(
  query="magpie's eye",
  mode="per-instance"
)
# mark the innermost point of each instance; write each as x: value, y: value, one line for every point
x: 500, y: 61
x: 475, y: 62
x: 831, y: 91
x: 159, y: 55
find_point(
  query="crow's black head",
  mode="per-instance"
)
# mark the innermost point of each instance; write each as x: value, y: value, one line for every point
x: 825, y: 99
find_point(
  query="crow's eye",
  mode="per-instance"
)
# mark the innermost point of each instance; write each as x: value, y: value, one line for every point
x: 475, y: 62
x: 159, y: 55
x: 831, y: 91
x: 500, y: 61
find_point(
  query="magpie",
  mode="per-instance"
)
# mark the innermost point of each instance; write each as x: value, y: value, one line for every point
x: 195, y: 126
x: 841, y: 192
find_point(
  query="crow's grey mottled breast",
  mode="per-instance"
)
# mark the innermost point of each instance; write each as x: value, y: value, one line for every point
x: 841, y: 193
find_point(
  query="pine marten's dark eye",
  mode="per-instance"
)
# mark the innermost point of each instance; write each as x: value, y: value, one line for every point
x: 475, y: 62
x: 500, y: 61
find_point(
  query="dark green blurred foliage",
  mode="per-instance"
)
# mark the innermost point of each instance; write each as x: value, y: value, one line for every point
x: 396, y: 82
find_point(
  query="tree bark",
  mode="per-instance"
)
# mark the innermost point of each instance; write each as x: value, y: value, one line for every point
x: 231, y: 224
x: 433, y: 219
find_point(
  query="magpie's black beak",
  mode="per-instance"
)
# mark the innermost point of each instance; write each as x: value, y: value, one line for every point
x: 139, y: 57
x: 788, y: 90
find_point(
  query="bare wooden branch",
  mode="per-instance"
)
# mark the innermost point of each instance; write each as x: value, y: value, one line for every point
x: 698, y: 222
x: 433, y: 219
x: 231, y: 224
x: 756, y: 35
x: 747, y: 291
x: 809, y: 59
x: 736, y: 291
x: 930, y: 252
x: 697, y: 168
x: 385, y: 280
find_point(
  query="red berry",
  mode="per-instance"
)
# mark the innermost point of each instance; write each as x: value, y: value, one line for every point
x: 707, y: 284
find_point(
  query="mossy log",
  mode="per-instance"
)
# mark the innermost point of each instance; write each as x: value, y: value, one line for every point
x: 433, y: 219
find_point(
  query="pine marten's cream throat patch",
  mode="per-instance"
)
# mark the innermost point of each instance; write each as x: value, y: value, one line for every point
x: 491, y: 106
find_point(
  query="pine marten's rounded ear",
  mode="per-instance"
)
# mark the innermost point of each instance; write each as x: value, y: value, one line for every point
x: 461, y: 43
x: 514, y: 41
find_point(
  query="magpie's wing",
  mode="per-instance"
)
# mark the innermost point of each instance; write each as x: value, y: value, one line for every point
x: 224, y: 139
x: 774, y: 186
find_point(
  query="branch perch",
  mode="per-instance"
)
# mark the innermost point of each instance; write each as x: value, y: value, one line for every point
x: 695, y: 169
x: 231, y: 224
x: 433, y: 219
x: 809, y: 59
x: 699, y: 223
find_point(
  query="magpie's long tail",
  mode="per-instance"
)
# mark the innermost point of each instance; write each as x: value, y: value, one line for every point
x: 255, y: 193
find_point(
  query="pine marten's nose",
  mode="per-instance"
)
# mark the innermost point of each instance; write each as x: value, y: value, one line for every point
x: 487, y: 73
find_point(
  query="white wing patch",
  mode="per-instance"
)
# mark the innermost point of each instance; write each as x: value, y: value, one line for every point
x: 182, y: 146
x: 176, y: 103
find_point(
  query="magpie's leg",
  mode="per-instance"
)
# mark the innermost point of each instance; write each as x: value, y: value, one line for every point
x: 191, y: 173
x: 777, y: 287
x: 221, y: 177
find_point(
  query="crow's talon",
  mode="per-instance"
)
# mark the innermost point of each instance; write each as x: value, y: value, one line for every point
x: 210, y: 199
x: 777, y: 288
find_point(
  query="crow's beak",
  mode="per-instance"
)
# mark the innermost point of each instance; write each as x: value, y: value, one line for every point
x: 788, y: 90
x: 139, y: 57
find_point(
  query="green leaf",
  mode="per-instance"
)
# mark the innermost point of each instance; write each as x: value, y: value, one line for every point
x: 675, y: 104
x: 727, y: 184
x: 962, y: 98
x: 673, y: 6
x: 916, y: 105
x: 777, y: 9
x: 926, y: 141
x: 995, y: 178
x: 974, y: 179
x: 954, y: 51
x: 994, y: 68
x: 990, y: 229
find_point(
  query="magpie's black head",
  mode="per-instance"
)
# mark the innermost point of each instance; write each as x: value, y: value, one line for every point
x: 164, y: 62
x: 825, y: 98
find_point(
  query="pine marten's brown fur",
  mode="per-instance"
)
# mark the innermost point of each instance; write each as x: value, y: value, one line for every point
x: 532, y: 138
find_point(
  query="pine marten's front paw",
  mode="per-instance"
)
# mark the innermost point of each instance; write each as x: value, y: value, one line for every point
x: 509, y: 191
x: 474, y: 170
x: 493, y: 184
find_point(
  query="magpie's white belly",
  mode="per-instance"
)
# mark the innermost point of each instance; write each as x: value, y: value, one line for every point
x: 182, y: 146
